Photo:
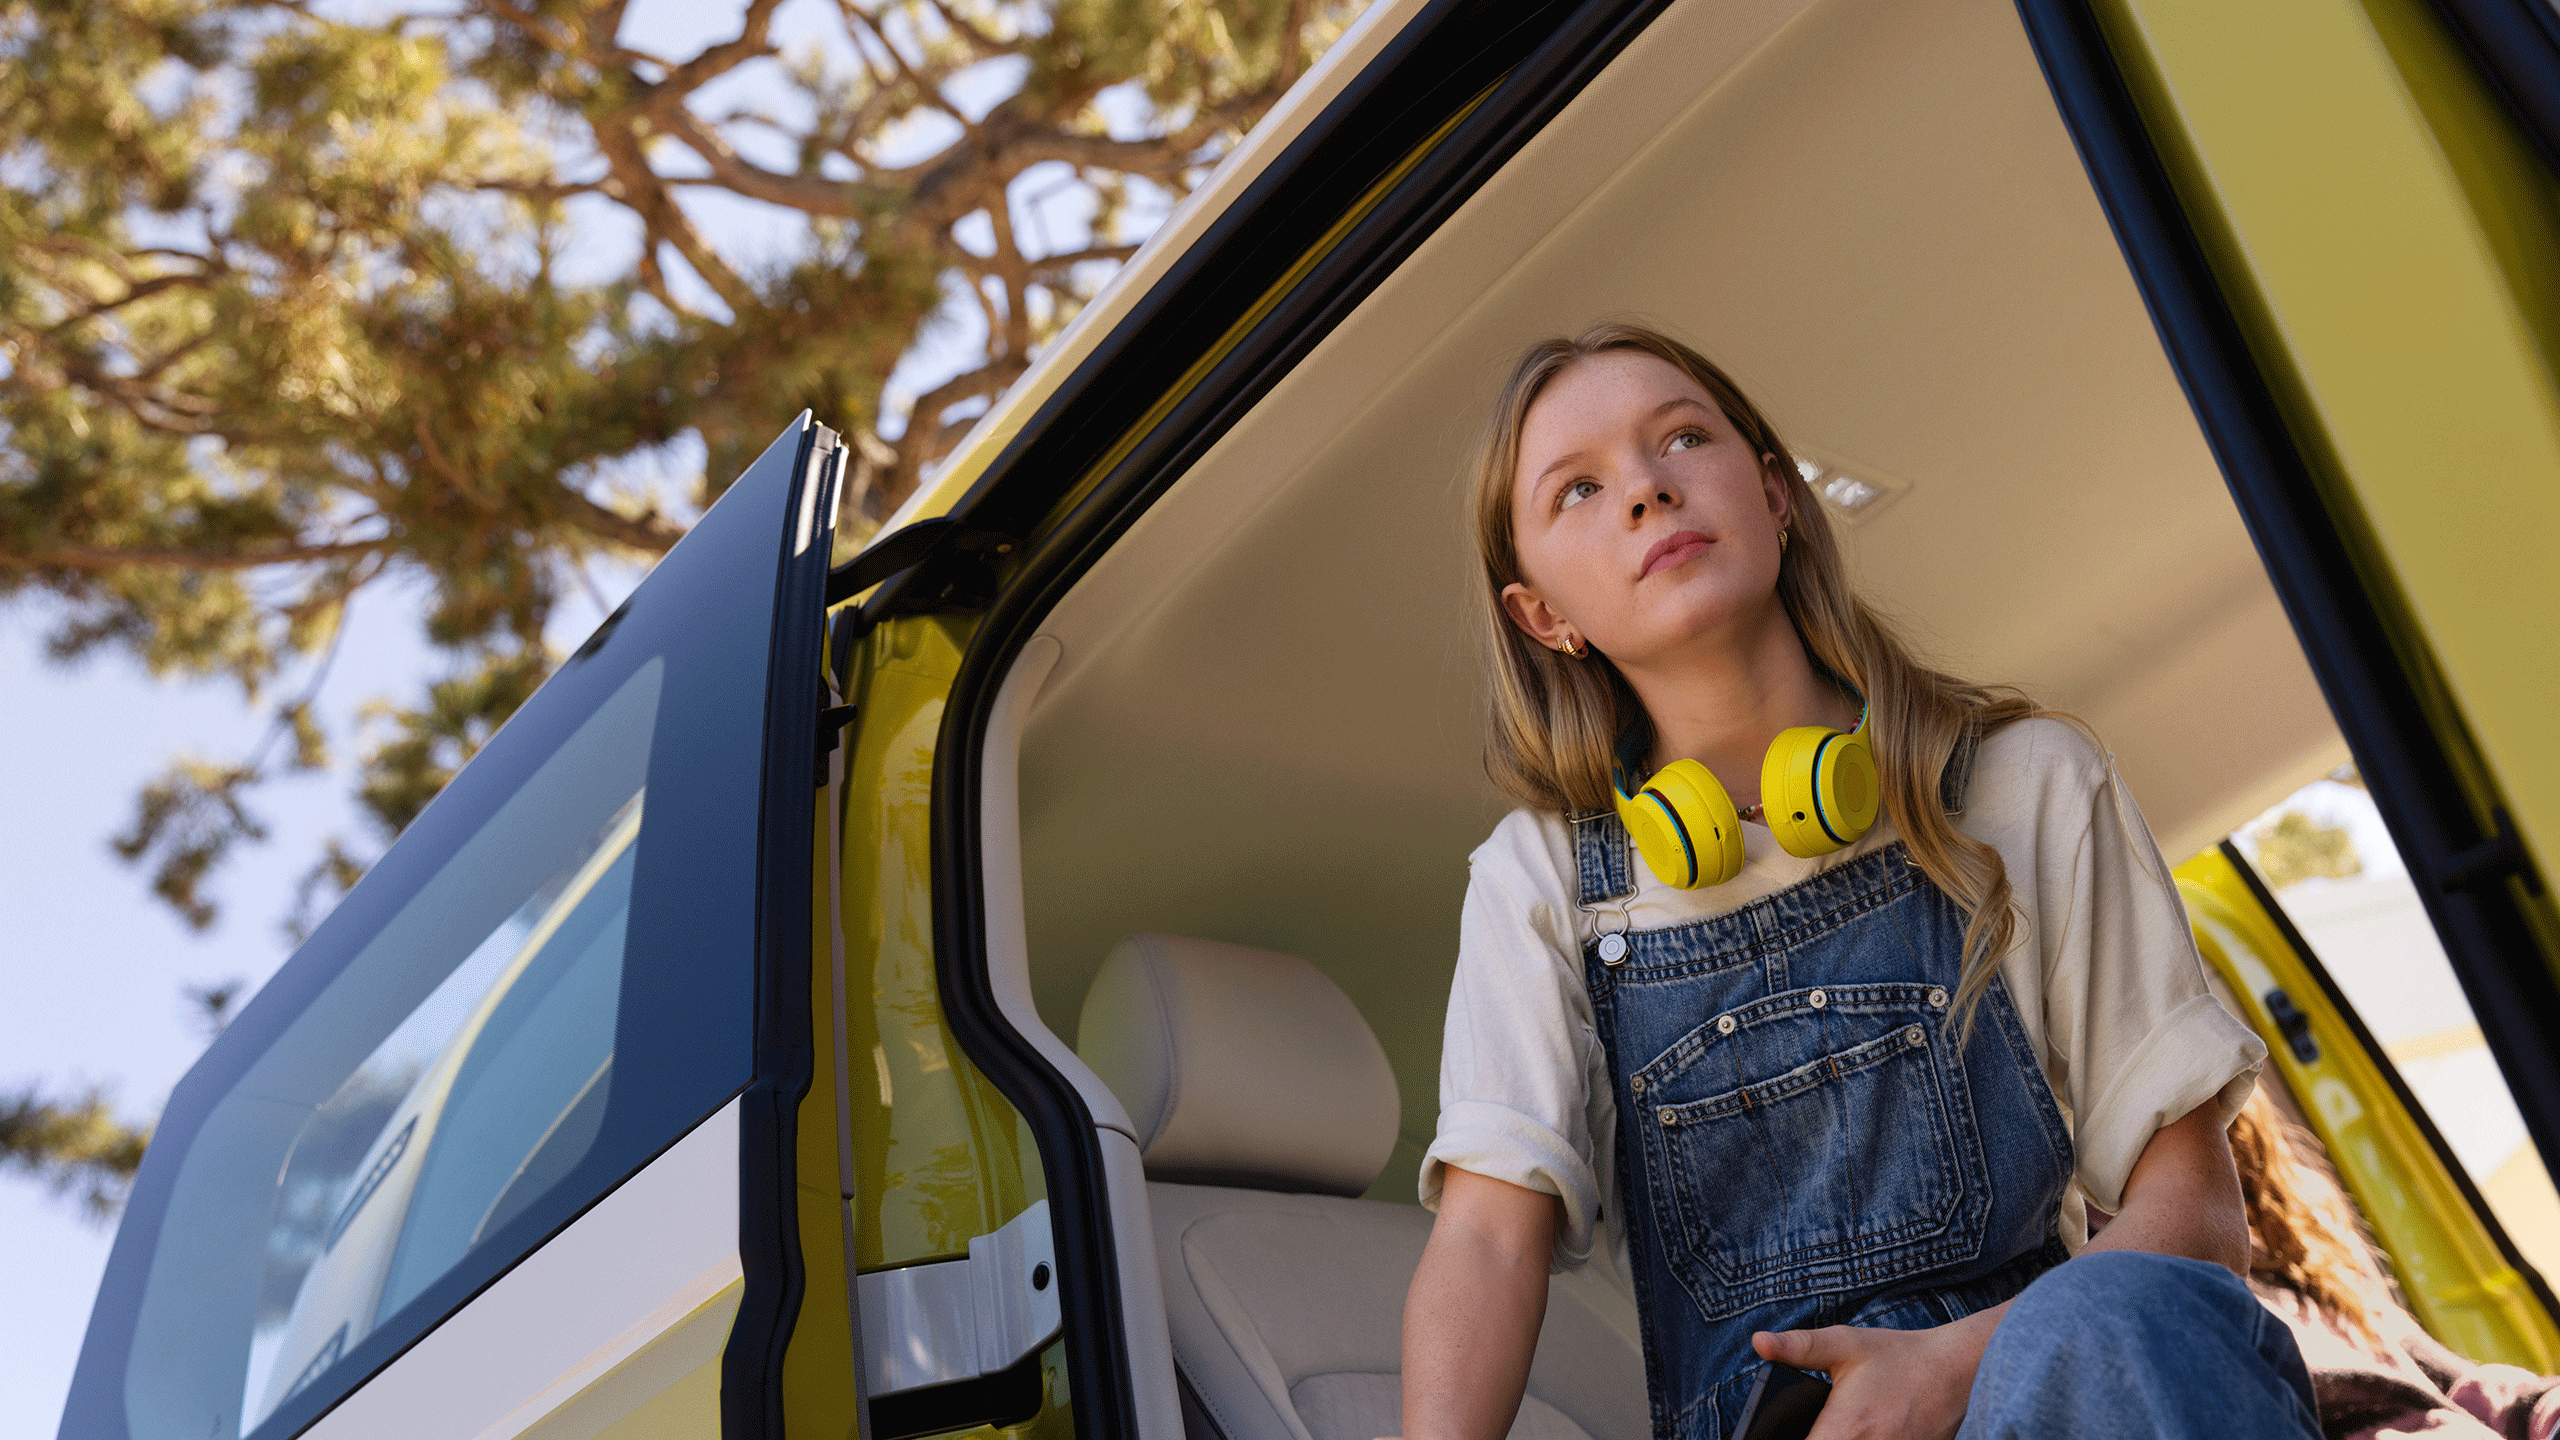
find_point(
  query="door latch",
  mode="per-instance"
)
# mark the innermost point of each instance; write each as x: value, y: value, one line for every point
x: 2293, y: 1025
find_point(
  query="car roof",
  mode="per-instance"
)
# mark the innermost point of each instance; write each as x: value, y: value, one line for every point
x: 1264, y: 725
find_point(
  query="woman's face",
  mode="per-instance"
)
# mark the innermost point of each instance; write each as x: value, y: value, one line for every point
x: 1645, y: 525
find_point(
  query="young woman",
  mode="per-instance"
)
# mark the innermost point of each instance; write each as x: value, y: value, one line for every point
x: 1840, y: 1109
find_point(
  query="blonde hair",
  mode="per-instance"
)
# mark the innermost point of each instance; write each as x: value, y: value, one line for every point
x: 1555, y: 720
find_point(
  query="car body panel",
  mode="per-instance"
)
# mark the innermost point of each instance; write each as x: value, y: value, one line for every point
x: 2393, y: 248
x: 938, y: 1155
x: 2459, y: 1277
x: 620, y: 1319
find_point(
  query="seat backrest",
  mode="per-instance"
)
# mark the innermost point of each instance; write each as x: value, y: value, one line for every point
x: 1239, y: 1066
x: 1264, y: 1103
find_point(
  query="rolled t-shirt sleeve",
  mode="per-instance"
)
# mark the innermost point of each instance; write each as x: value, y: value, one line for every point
x: 1514, y: 1089
x: 2140, y: 1039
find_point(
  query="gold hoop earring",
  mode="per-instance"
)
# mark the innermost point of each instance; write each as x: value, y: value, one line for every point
x: 1782, y: 540
x: 1572, y: 653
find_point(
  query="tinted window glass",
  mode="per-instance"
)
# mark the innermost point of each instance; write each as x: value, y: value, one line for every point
x: 546, y: 982
x: 470, y: 1102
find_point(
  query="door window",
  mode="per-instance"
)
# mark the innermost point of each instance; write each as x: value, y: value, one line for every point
x: 549, y: 979
x: 480, y: 1096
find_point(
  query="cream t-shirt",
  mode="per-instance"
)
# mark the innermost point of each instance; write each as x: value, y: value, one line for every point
x: 2105, y: 978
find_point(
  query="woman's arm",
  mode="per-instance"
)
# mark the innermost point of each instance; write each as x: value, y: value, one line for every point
x: 2183, y: 1198
x: 1471, y: 1319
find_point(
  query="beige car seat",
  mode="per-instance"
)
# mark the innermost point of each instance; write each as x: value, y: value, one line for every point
x: 1263, y: 1106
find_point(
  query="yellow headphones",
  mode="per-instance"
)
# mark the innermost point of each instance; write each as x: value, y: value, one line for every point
x: 1818, y: 793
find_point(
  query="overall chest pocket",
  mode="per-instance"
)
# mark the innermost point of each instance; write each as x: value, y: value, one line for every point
x: 1813, y: 1141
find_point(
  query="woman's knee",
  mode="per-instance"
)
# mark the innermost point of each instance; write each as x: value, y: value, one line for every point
x: 2129, y: 1302
x: 2134, y: 1344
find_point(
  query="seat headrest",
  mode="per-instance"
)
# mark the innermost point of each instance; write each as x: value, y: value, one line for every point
x: 1239, y: 1066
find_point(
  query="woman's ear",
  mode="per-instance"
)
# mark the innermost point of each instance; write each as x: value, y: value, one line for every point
x: 1773, y: 485
x: 1537, y: 619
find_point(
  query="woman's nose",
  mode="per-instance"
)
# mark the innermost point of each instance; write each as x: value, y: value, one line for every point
x: 1660, y: 497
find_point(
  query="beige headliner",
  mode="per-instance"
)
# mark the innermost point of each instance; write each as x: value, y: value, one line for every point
x: 1264, y: 727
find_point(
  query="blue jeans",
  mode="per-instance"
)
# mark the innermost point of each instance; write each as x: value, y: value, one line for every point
x: 2121, y: 1345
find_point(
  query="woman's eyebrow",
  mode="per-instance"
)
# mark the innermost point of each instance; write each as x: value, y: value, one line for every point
x: 1559, y: 463
x: 1666, y: 407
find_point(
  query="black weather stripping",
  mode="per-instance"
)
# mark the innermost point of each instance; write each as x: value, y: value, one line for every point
x: 2467, y: 878
x: 2516, y: 45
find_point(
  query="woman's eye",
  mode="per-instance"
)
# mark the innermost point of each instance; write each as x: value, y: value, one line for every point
x: 1576, y: 492
x: 1688, y: 439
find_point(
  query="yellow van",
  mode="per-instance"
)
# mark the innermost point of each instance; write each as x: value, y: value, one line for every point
x: 995, y: 984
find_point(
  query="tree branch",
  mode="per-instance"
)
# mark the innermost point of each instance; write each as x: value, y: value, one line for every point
x: 102, y: 557
x: 1069, y: 259
x: 648, y: 531
x: 979, y: 40
x: 636, y: 185
x: 728, y: 55
x: 923, y: 440
x: 140, y: 290
x: 809, y: 193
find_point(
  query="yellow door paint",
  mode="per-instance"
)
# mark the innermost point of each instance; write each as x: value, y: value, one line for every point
x: 938, y: 1155
x: 2392, y: 249
x: 2451, y: 1271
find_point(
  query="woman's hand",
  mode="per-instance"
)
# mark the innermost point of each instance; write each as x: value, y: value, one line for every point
x: 1888, y: 1384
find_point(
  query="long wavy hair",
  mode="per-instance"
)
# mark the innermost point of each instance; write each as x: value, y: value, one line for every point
x: 1554, y: 720
x: 2304, y: 1233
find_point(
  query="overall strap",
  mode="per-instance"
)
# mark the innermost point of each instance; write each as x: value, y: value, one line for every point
x: 1602, y: 857
x: 1959, y: 773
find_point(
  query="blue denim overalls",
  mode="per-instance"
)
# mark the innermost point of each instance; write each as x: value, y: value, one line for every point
x: 1801, y: 1139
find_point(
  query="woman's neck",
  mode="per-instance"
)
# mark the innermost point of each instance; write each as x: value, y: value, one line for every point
x: 1721, y: 701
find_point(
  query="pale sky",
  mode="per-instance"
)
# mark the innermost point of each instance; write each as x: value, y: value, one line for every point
x: 94, y: 964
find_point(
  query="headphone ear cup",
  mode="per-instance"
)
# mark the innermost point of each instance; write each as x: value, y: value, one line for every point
x: 1819, y: 790
x: 1685, y: 826
x: 1848, y: 787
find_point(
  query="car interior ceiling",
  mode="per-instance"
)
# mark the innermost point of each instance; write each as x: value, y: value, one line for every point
x: 1264, y: 726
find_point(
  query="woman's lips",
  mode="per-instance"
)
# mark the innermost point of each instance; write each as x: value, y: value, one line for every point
x: 1677, y: 548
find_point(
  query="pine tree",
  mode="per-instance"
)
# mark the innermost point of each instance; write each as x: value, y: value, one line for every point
x: 292, y: 304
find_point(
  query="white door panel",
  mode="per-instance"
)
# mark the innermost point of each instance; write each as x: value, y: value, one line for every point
x: 631, y: 1299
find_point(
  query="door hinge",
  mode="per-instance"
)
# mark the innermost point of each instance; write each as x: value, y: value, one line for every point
x: 831, y: 723
x: 960, y: 1319
x: 954, y: 565
x: 2490, y: 861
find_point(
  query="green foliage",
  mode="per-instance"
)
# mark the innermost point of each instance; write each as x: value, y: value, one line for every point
x: 75, y: 1145
x: 191, y: 816
x: 2294, y: 847
x: 434, y: 740
x: 290, y: 304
